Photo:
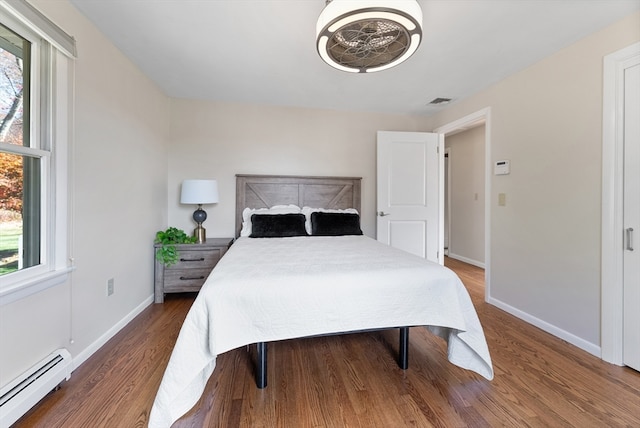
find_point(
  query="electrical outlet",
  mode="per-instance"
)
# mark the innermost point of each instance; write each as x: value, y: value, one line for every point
x: 110, y: 287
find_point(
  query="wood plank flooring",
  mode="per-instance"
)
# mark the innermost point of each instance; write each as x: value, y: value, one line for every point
x: 353, y: 380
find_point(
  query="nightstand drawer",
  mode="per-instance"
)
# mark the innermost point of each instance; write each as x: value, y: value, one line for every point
x: 175, y: 280
x: 190, y: 259
x: 195, y: 262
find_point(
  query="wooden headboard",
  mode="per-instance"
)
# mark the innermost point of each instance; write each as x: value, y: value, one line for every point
x: 265, y: 191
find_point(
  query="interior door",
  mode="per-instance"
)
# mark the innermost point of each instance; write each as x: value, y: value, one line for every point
x: 631, y: 257
x: 410, y: 192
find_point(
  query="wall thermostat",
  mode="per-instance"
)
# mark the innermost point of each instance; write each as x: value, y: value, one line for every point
x: 502, y: 167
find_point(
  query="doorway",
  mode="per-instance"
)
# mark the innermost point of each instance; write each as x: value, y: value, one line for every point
x: 464, y: 195
x: 473, y: 120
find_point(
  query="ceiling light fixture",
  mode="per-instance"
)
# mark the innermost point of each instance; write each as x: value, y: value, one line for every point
x: 363, y: 36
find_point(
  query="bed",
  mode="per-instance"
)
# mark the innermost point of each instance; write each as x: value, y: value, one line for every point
x: 273, y: 285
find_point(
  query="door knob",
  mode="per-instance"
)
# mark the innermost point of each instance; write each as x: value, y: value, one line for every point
x: 382, y: 213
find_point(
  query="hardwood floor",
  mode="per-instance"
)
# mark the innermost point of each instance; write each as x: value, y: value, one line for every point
x: 353, y: 380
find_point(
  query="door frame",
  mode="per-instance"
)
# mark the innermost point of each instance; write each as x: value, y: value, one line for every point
x: 477, y: 118
x: 612, y: 291
x: 447, y: 200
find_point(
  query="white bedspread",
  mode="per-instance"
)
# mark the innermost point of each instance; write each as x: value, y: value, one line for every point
x: 281, y: 288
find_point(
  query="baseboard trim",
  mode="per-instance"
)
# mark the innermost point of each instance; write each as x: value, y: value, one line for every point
x: 589, y: 347
x: 93, y: 348
x: 466, y: 260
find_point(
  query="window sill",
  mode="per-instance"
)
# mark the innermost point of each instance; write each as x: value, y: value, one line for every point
x: 33, y: 285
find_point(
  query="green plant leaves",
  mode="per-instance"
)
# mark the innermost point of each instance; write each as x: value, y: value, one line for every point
x: 167, y: 254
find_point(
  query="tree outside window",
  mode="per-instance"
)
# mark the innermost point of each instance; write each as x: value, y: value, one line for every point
x: 19, y: 170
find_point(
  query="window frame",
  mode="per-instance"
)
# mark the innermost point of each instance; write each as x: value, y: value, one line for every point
x: 51, y: 105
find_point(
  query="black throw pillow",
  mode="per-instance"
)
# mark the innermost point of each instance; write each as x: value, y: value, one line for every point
x: 277, y: 225
x: 335, y: 224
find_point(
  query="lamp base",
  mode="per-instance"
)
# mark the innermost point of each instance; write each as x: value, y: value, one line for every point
x: 200, y: 234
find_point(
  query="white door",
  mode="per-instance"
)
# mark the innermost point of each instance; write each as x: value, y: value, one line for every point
x: 631, y: 258
x: 411, y: 192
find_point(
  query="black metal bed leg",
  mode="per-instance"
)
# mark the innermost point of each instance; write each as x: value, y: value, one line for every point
x: 261, y: 366
x: 403, y: 357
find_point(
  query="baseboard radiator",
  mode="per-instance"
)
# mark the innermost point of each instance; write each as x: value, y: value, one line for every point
x: 26, y: 390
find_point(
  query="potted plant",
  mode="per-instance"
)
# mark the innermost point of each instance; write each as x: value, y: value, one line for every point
x: 167, y: 252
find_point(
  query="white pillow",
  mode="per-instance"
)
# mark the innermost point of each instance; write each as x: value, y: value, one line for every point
x: 276, y: 209
x: 308, y: 210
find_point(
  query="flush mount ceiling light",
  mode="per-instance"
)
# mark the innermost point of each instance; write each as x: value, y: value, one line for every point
x: 363, y: 36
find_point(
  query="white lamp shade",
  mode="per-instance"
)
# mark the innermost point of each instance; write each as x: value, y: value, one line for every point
x: 199, y: 192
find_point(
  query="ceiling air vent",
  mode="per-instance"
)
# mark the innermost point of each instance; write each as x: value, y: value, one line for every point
x: 439, y: 101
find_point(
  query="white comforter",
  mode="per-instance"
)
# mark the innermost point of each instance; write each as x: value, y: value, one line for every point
x: 281, y: 288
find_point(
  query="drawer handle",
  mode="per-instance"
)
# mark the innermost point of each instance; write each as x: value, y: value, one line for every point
x: 201, y: 259
x: 186, y: 278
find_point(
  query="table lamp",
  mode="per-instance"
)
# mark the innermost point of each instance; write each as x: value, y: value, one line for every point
x: 199, y: 192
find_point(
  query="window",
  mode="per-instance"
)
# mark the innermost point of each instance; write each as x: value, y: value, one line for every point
x: 35, y: 103
x: 20, y: 165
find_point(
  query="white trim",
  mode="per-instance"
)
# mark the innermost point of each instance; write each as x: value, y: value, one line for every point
x: 61, y: 140
x: 102, y: 340
x: 589, y: 347
x: 51, y: 132
x: 32, y: 285
x: 39, y: 23
x: 440, y: 152
x: 611, y: 328
x: 472, y: 120
x: 466, y: 260
x: 447, y: 200
x: 24, y: 151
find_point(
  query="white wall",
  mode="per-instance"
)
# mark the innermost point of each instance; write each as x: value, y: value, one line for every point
x: 545, y: 243
x: 467, y: 170
x: 118, y: 190
x: 219, y: 140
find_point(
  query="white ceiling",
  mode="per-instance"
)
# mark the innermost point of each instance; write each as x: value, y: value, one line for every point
x: 263, y: 51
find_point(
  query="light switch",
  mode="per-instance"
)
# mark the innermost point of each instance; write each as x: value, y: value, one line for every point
x: 502, y: 199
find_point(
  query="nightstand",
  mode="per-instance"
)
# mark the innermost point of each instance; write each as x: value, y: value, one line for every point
x: 195, y: 262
